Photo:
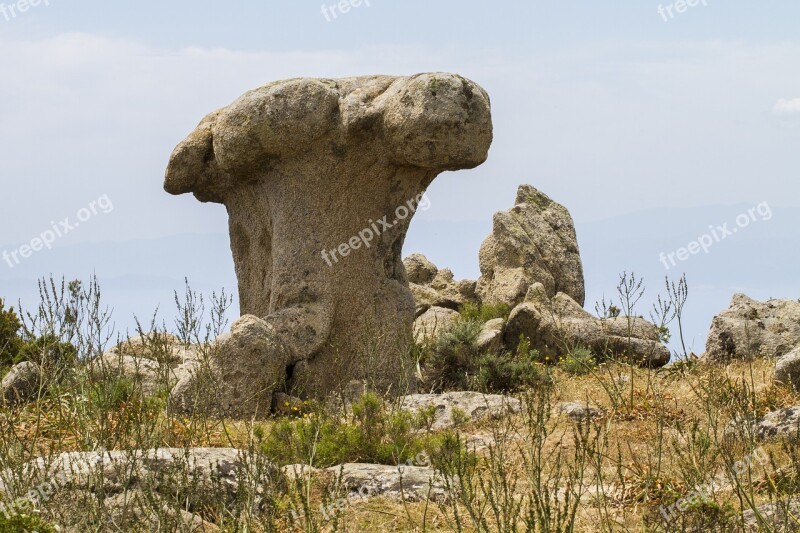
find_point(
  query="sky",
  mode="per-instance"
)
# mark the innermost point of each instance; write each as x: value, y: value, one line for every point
x: 612, y: 109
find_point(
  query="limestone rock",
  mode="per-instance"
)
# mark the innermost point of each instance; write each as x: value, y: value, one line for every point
x: 401, y: 483
x: 320, y: 178
x: 783, y: 423
x: 433, y: 323
x: 419, y: 270
x: 555, y: 325
x: 473, y: 405
x: 533, y: 242
x: 22, y: 383
x: 782, y: 517
x: 787, y: 369
x: 578, y: 410
x: 490, y: 338
x: 749, y: 328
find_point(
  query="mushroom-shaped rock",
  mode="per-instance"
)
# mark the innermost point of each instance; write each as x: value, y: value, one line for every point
x: 320, y: 179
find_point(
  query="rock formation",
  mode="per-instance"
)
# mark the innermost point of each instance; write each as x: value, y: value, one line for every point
x: 533, y: 242
x: 320, y: 179
x: 555, y: 326
x: 749, y: 328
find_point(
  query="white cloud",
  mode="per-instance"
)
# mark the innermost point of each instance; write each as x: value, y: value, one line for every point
x: 786, y: 107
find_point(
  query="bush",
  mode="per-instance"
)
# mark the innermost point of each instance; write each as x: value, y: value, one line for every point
x: 578, y: 361
x: 484, y: 312
x: 374, y: 434
x: 509, y: 372
x: 454, y: 356
x: 23, y: 523
x: 10, y: 341
x: 49, y: 352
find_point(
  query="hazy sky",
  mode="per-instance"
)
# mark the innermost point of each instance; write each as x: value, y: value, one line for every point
x: 610, y: 108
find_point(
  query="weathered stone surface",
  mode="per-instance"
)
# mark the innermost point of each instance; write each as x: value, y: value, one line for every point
x: 749, y: 328
x: 402, y: 483
x: 157, y: 346
x: 783, y: 423
x: 433, y: 323
x: 787, y: 369
x: 147, y: 372
x: 419, y: 270
x: 555, y: 325
x: 473, y: 405
x: 533, y: 242
x: 22, y: 383
x: 130, y: 509
x: 779, y: 518
x: 578, y: 410
x: 490, y: 338
x: 320, y: 179
x: 439, y: 289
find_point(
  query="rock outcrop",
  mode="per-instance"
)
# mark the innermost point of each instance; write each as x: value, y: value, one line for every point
x: 469, y: 405
x: 433, y: 323
x: 787, y: 369
x: 22, y: 383
x: 432, y: 287
x: 749, y: 328
x: 533, y: 242
x: 320, y: 179
x: 556, y: 325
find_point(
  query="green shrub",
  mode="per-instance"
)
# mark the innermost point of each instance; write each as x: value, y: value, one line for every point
x: 509, y: 372
x: 579, y: 361
x: 48, y: 351
x: 10, y: 341
x: 484, y: 312
x: 454, y: 356
x: 23, y: 523
x: 373, y: 434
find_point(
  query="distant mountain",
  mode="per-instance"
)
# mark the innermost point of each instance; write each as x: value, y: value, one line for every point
x: 760, y: 260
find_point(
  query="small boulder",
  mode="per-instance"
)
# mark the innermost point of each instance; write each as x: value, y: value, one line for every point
x: 472, y: 405
x: 787, y: 369
x: 749, y: 328
x: 419, y: 270
x: 579, y: 410
x: 400, y: 483
x: 783, y: 423
x: 490, y: 338
x: 22, y: 383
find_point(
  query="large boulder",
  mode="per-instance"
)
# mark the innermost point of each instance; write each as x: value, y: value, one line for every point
x: 556, y: 325
x: 433, y: 323
x: 749, y: 328
x: 320, y: 179
x: 22, y: 383
x: 533, y: 242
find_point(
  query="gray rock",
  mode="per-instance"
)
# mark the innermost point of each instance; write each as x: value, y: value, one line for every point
x: 433, y: 323
x: 555, y: 325
x: 401, y: 483
x: 533, y: 242
x: 783, y: 423
x: 22, y: 383
x: 787, y: 369
x: 134, y: 509
x: 490, y: 338
x: 208, y: 474
x: 419, y: 270
x: 783, y: 517
x: 579, y: 410
x: 146, y: 372
x: 307, y: 170
x: 473, y: 405
x: 749, y: 328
